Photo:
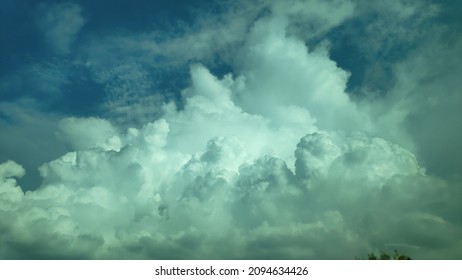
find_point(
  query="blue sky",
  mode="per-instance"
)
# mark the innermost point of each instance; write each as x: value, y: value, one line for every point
x: 291, y: 129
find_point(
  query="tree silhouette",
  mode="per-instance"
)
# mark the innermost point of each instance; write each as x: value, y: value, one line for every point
x: 384, y: 256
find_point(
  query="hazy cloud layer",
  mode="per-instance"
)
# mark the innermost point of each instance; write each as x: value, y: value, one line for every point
x: 258, y: 151
x: 60, y: 24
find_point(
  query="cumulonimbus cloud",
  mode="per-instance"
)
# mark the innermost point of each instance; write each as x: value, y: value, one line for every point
x: 276, y: 161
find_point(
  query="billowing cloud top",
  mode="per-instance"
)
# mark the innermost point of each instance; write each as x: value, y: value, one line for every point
x: 265, y: 147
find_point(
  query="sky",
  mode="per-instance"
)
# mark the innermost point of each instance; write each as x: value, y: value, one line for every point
x: 266, y: 129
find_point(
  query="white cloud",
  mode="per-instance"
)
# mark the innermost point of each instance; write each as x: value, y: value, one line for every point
x: 9, y: 170
x: 167, y: 193
x: 89, y: 133
x: 294, y: 76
